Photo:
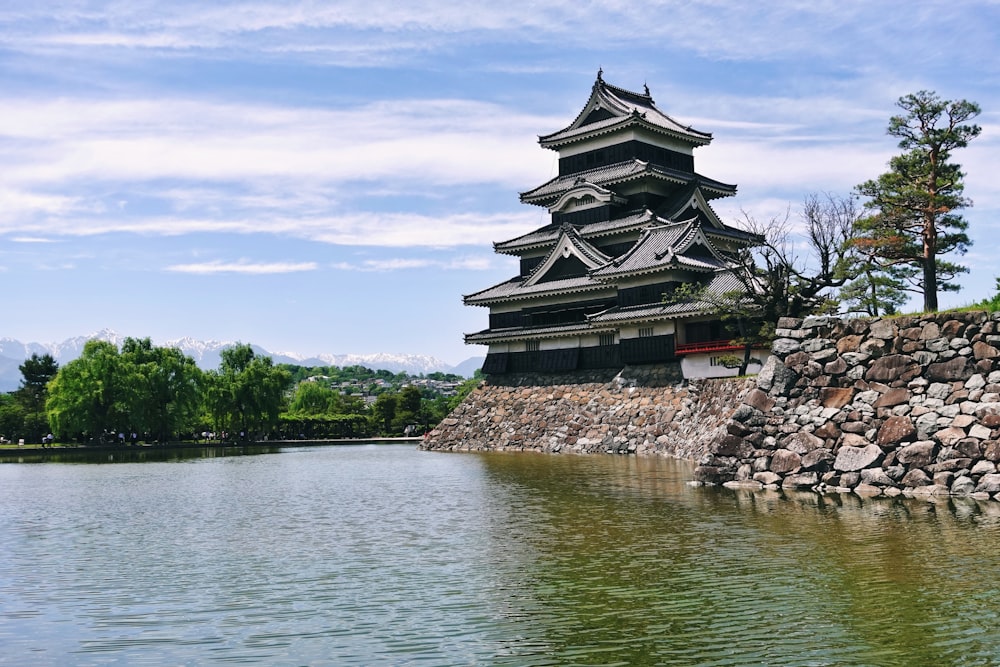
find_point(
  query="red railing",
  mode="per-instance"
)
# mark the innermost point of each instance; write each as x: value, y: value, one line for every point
x: 707, y: 346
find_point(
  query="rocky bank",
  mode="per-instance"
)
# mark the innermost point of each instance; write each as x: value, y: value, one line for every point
x: 641, y: 410
x: 907, y: 405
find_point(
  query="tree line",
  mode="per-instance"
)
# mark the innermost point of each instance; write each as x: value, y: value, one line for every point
x: 150, y: 394
x: 864, y: 253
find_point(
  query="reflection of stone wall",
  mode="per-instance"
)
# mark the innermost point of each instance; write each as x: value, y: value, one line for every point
x: 884, y: 406
x: 640, y: 410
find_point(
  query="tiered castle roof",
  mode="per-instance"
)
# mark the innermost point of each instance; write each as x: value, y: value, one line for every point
x: 611, y: 109
x: 628, y: 209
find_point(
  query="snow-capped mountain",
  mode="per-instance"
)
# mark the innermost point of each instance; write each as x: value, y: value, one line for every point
x: 207, y: 354
x: 69, y: 349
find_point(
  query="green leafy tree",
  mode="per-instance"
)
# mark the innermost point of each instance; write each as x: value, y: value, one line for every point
x: 246, y: 395
x: 11, y: 418
x: 384, y: 412
x: 741, y: 315
x: 36, y: 372
x: 410, y: 398
x: 86, y: 396
x: 410, y: 409
x: 877, y: 290
x: 164, y: 389
x: 312, y: 398
x: 915, y: 203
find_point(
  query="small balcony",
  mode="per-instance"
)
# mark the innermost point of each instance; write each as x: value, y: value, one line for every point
x: 707, y: 346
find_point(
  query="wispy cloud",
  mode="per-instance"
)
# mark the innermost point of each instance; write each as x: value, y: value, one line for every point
x: 79, y: 166
x: 30, y: 239
x: 396, y: 230
x: 136, y: 140
x: 482, y: 263
x: 365, y: 31
x: 82, y: 167
x: 243, y: 267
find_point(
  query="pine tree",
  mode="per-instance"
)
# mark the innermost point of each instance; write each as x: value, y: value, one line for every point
x: 914, y: 204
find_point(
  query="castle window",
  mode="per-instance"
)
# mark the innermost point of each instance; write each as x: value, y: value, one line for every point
x: 531, y: 345
x: 607, y: 339
x: 645, y: 332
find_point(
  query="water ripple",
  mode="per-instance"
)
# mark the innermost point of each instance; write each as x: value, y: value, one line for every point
x: 390, y: 556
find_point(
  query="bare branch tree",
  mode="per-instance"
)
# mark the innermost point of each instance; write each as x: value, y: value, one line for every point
x: 785, y: 278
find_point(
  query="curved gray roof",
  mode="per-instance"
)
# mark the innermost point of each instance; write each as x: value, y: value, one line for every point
x: 661, y: 248
x: 619, y: 108
x: 722, y: 282
x: 516, y: 289
x: 620, y: 172
x: 550, y: 233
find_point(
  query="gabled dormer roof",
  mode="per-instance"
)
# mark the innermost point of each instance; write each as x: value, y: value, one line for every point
x: 667, y: 247
x: 569, y: 244
x: 691, y: 201
x: 611, y: 109
x: 585, y: 191
x: 545, y: 236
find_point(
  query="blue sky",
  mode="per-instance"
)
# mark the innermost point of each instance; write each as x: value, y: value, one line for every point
x: 328, y: 177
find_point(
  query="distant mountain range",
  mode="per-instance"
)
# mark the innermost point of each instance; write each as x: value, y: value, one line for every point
x: 207, y: 354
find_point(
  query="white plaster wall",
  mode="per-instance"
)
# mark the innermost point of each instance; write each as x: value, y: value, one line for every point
x: 558, y: 343
x: 700, y: 366
x: 659, y: 329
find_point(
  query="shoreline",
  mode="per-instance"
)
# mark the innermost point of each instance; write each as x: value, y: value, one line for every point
x: 36, y: 450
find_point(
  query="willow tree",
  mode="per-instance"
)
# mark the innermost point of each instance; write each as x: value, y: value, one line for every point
x: 247, y: 392
x: 164, y: 389
x: 914, y: 204
x: 86, y: 399
x: 142, y: 389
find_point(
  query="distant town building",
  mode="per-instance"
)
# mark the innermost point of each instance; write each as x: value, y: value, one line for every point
x: 630, y: 220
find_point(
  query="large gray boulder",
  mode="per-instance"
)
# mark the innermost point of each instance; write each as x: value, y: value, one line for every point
x: 775, y: 377
x: 917, y: 455
x: 857, y: 458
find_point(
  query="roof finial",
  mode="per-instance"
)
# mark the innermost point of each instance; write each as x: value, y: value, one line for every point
x: 600, y: 73
x: 646, y: 88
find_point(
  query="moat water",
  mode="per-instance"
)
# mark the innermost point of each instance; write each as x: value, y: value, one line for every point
x: 386, y: 555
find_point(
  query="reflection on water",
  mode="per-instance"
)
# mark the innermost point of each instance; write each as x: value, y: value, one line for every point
x: 388, y: 555
x: 140, y: 454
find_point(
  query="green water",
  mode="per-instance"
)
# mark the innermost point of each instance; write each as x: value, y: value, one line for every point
x: 385, y: 555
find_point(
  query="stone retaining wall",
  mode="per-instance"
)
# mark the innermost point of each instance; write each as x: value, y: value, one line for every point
x: 641, y: 410
x: 909, y: 405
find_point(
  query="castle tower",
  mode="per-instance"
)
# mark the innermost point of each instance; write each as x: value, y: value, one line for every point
x: 630, y: 220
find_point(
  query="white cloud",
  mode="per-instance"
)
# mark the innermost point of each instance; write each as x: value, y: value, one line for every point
x: 87, y: 147
x: 30, y: 239
x: 189, y: 165
x: 204, y: 167
x: 358, y: 31
x: 481, y: 263
x: 243, y: 266
x: 362, y: 229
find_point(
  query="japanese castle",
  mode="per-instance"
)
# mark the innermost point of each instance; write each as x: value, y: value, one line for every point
x: 630, y: 220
